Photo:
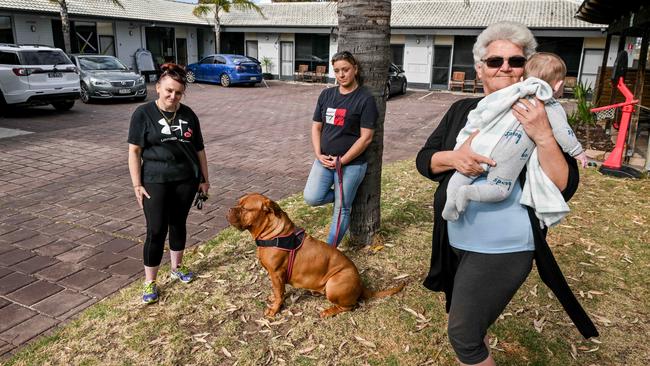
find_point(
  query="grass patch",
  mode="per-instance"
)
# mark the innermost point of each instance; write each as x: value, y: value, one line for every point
x: 602, y: 247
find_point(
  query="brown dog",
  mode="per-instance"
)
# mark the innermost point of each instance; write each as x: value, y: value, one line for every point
x: 317, y: 266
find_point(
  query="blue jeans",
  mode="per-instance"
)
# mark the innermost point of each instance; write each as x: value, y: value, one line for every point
x: 322, y: 187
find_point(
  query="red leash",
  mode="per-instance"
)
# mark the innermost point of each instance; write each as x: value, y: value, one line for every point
x: 339, y: 172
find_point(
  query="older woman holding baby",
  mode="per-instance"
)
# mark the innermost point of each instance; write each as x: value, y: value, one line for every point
x: 486, y: 255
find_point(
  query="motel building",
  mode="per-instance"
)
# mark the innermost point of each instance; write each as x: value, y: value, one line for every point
x: 429, y: 39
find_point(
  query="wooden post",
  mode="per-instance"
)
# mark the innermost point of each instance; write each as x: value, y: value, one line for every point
x: 638, y: 94
x: 603, y: 70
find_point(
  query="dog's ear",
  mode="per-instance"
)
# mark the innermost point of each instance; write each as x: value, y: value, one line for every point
x: 271, y: 206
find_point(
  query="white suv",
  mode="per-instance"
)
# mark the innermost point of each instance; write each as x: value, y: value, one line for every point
x: 37, y: 75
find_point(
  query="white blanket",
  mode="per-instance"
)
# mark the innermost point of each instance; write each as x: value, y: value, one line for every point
x: 493, y: 117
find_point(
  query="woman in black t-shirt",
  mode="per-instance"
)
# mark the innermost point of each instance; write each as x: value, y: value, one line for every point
x: 344, y: 122
x: 168, y: 165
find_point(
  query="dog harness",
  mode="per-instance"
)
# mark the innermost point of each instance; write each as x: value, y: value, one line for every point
x: 289, y: 243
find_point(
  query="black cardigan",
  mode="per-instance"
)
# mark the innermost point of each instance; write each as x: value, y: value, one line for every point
x: 444, y: 262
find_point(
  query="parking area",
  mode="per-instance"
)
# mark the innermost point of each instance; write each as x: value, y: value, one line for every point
x: 70, y: 229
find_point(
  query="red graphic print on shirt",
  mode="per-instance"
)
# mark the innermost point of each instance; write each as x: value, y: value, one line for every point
x: 335, y: 116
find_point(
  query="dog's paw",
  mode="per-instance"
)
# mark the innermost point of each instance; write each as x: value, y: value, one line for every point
x: 270, y: 312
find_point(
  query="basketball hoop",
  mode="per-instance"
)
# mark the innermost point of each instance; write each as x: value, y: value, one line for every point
x: 604, y: 114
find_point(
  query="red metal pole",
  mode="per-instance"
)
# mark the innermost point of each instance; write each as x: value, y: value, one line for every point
x: 615, y: 158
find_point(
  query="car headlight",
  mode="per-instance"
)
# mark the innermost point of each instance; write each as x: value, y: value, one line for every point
x: 140, y: 80
x: 99, y: 82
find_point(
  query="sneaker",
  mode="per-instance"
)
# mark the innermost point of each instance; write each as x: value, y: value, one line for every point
x: 150, y: 292
x: 183, y: 274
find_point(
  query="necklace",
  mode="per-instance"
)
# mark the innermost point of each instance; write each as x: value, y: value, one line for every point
x: 169, y: 121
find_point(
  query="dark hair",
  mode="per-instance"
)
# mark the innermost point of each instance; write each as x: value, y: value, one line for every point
x: 349, y: 57
x: 174, y: 71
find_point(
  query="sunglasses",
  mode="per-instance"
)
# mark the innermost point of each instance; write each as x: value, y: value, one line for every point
x: 497, y: 61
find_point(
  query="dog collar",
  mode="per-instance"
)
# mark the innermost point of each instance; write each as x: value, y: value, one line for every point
x: 286, y: 242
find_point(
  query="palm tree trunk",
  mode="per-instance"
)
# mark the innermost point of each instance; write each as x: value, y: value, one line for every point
x: 65, y: 25
x: 217, y: 32
x: 364, y: 30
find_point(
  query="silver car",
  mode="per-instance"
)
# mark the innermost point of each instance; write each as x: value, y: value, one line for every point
x: 106, y: 77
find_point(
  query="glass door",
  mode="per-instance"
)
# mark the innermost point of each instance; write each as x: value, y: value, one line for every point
x: 286, y: 60
x: 440, y: 72
x: 251, y: 49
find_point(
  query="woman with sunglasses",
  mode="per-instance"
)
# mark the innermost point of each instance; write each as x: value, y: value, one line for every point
x: 342, y: 128
x: 484, y: 257
x: 168, y: 165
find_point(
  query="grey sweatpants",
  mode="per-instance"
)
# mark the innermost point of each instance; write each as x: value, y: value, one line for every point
x: 483, y: 286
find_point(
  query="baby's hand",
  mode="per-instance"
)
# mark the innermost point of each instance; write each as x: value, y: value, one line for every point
x: 582, y: 157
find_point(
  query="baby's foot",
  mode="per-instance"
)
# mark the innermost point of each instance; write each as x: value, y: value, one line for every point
x: 450, y: 213
x: 463, y: 198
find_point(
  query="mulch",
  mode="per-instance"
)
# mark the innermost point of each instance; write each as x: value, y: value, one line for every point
x: 599, y: 139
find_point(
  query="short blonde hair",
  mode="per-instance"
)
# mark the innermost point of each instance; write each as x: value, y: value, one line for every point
x: 546, y: 66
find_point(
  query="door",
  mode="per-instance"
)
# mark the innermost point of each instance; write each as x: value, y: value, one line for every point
x: 286, y: 60
x: 181, y: 51
x: 218, y: 68
x: 251, y: 49
x: 107, y: 45
x: 441, y: 62
x: 203, y: 67
x: 591, y: 61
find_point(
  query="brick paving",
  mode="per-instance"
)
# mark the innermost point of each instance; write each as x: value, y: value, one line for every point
x: 70, y: 229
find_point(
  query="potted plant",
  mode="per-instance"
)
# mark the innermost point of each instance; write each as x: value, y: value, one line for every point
x: 582, y: 117
x: 267, y: 63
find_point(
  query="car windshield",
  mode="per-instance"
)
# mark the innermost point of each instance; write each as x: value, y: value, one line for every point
x: 240, y: 59
x: 44, y: 58
x: 100, y: 63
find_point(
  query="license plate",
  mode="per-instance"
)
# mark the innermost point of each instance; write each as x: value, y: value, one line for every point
x: 253, y: 78
x: 55, y: 74
x: 124, y: 91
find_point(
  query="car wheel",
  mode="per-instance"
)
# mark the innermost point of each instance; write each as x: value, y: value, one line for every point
x: 63, y: 106
x: 190, y: 77
x: 3, y: 104
x: 404, y: 87
x: 225, y: 80
x: 84, y: 93
x: 387, y: 91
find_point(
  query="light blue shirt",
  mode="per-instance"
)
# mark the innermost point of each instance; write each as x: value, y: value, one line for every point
x: 493, y: 227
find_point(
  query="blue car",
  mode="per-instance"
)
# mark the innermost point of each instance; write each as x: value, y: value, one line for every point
x: 225, y: 70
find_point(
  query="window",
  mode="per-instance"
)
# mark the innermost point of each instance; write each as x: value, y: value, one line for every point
x: 397, y: 54
x: 44, y: 58
x: 312, y: 50
x: 463, y: 57
x: 219, y: 60
x: 6, y: 33
x: 100, y: 63
x: 9, y: 58
x: 570, y: 49
x: 207, y: 60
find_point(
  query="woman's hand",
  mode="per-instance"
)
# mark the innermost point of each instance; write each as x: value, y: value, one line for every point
x: 204, y: 187
x: 534, y: 120
x: 140, y: 192
x: 328, y: 161
x: 467, y: 162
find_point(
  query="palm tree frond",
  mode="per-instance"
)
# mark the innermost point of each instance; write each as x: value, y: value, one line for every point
x: 202, y: 10
x: 247, y: 5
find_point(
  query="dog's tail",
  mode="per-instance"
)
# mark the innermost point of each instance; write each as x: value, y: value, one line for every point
x: 369, y: 294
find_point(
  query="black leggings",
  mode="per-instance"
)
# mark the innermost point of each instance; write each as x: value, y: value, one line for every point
x: 167, y: 208
x: 483, y: 286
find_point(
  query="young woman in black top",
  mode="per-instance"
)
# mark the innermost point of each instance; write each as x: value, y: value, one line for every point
x: 344, y: 122
x: 167, y: 163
